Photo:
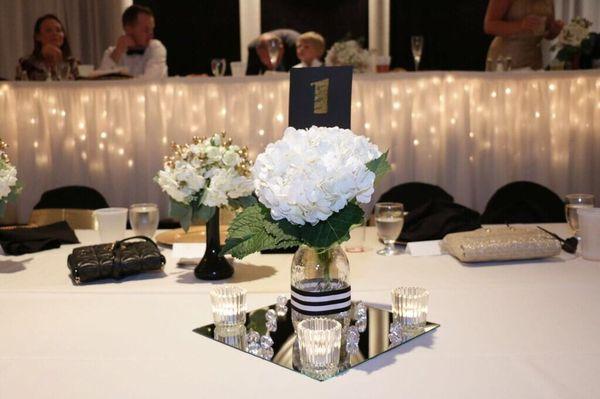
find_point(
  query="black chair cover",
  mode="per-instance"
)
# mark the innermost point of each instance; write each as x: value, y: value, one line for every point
x: 415, y: 194
x: 524, y: 202
x: 72, y: 197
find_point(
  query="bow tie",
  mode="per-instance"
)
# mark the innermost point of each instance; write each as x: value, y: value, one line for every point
x: 136, y: 51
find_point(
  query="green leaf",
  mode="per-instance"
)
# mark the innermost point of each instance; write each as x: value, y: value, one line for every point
x: 181, y: 212
x: 202, y: 214
x: 336, y: 229
x: 242, y: 202
x: 253, y: 230
x: 379, y: 166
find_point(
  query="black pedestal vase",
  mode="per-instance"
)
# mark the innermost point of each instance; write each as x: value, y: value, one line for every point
x: 213, y: 266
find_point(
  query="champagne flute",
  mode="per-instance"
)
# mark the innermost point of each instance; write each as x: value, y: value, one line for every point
x: 574, y: 202
x: 416, y: 45
x: 389, y: 219
x: 217, y: 66
x: 274, y: 47
x: 143, y: 219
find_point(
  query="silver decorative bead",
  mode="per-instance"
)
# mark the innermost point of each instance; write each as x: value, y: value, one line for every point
x: 281, y: 306
x: 361, y: 324
x: 271, y: 316
x: 266, y: 341
x: 271, y: 327
x: 253, y: 337
x: 352, y: 335
x: 254, y: 348
x: 267, y: 353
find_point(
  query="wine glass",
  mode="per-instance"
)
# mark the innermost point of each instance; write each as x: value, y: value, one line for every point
x: 143, y: 219
x: 574, y: 202
x: 274, y: 47
x: 217, y: 66
x: 389, y: 219
x: 416, y: 45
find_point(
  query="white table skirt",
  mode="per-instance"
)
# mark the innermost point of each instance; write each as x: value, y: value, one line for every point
x: 466, y: 131
x: 523, y: 330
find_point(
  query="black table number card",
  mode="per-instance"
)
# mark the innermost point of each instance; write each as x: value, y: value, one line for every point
x: 320, y: 96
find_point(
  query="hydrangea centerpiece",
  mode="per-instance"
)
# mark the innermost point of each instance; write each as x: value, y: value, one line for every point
x: 348, y: 52
x: 574, y: 39
x: 309, y: 185
x: 9, y: 186
x: 207, y: 174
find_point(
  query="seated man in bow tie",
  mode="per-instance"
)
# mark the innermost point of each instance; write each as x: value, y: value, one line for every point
x: 137, y: 49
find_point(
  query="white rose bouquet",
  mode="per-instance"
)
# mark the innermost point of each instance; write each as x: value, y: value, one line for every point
x: 348, y: 52
x: 207, y: 174
x: 574, y: 39
x: 308, y: 185
x: 9, y: 186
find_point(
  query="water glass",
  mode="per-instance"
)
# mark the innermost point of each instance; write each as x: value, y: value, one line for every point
x: 389, y: 219
x: 573, y: 202
x: 274, y: 47
x: 218, y: 65
x: 111, y: 223
x: 238, y: 68
x: 143, y: 219
x: 228, y: 305
x: 319, y: 340
x: 416, y: 46
x: 589, y: 228
x: 409, y: 305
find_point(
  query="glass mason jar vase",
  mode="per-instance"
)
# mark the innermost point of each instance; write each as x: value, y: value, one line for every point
x: 320, y: 285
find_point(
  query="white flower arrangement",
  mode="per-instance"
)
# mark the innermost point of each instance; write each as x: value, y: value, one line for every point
x: 309, y: 174
x: 308, y: 185
x: 573, y: 40
x: 9, y: 185
x: 575, y: 32
x: 210, y: 172
x: 348, y: 52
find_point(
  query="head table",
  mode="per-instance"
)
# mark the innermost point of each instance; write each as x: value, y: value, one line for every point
x: 521, y: 330
x: 469, y: 132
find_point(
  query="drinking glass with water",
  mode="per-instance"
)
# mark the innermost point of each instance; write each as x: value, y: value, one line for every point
x: 389, y: 219
x: 143, y: 219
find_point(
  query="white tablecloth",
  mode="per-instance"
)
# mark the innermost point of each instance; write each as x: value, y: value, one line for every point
x: 523, y: 330
x: 469, y: 132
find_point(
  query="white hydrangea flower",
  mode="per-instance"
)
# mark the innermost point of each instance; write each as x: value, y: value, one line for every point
x: 309, y: 174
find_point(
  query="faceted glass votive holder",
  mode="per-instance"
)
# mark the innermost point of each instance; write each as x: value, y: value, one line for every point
x: 228, y: 305
x: 409, y: 305
x: 319, y: 340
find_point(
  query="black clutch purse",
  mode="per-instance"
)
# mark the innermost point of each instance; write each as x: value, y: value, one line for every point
x: 118, y: 260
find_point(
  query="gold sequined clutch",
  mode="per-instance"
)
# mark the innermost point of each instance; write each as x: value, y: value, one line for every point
x: 500, y: 244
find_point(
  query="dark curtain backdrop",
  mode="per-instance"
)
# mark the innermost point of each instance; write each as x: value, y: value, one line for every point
x: 334, y: 19
x: 194, y: 32
x: 452, y: 29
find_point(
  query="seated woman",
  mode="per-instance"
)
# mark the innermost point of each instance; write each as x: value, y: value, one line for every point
x: 310, y: 47
x: 51, y: 58
x: 519, y: 27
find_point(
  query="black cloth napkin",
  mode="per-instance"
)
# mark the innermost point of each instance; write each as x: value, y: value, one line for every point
x: 21, y: 241
x: 434, y: 219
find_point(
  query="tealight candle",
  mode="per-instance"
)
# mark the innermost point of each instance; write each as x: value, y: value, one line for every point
x: 228, y: 305
x: 409, y: 305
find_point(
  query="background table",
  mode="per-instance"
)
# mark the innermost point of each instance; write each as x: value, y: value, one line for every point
x: 469, y: 132
x: 526, y: 330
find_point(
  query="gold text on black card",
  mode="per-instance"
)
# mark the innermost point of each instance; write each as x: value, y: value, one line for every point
x: 321, y: 99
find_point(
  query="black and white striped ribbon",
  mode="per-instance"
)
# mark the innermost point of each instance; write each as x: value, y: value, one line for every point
x: 321, y: 303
